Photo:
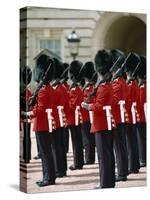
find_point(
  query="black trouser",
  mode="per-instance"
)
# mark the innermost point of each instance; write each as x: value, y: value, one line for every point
x: 88, y: 142
x: 44, y: 141
x: 37, y: 144
x: 59, y: 151
x: 104, y: 145
x: 77, y: 145
x: 120, y: 148
x: 26, y: 142
x: 66, y: 139
x: 132, y: 146
x: 142, y: 142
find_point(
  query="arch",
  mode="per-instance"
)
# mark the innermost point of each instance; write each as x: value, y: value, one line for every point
x: 121, y: 30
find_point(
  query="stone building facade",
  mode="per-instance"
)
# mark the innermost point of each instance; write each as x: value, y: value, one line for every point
x: 48, y: 28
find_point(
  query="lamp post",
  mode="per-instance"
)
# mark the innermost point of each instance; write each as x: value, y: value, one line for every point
x: 73, y: 40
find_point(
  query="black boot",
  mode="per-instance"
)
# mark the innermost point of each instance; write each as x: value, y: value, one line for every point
x: 120, y: 178
x: 45, y: 183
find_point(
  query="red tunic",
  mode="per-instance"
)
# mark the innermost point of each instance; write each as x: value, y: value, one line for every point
x: 119, y: 100
x: 85, y: 113
x: 132, y: 98
x: 45, y: 100
x: 142, y: 102
x: 75, y: 99
x: 103, y: 98
x: 66, y: 93
x: 60, y: 97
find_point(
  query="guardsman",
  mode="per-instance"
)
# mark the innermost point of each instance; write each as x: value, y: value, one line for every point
x: 133, y: 117
x: 58, y: 144
x: 42, y: 116
x: 88, y: 139
x: 75, y: 117
x: 119, y: 112
x: 141, y: 107
x: 25, y: 95
x: 102, y: 120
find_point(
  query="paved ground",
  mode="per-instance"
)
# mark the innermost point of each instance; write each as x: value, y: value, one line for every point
x: 84, y: 179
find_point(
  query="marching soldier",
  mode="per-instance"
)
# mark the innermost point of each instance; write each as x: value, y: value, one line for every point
x: 58, y: 144
x: 131, y: 63
x: 88, y: 138
x: 42, y: 116
x: 74, y: 117
x: 141, y: 107
x: 102, y: 120
x: 119, y: 112
x: 25, y: 96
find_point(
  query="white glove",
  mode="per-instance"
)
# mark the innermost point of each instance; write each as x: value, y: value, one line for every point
x: 85, y: 105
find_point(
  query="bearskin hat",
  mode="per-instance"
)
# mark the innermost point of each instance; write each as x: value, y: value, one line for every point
x: 45, y: 68
x: 103, y: 61
x: 59, y: 68
x: 65, y: 72
x: 142, y: 68
x: 89, y: 70
x: 76, y: 70
x: 118, y: 58
x: 131, y: 62
x: 26, y: 75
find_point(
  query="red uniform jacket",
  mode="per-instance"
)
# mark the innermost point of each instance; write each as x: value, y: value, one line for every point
x: 85, y: 113
x: 60, y: 97
x: 141, y: 102
x: 75, y: 99
x: 103, y: 98
x: 119, y: 100
x: 45, y: 100
x: 131, y: 99
x: 66, y: 93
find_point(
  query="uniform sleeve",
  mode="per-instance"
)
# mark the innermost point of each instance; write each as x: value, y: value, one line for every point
x: 39, y: 108
x: 73, y: 98
x: 100, y: 100
x: 116, y: 92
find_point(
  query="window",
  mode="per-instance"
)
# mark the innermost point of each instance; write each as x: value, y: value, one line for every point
x: 52, y: 45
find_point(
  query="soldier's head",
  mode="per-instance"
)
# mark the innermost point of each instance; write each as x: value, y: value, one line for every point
x: 103, y: 62
x: 89, y: 72
x: 76, y: 71
x: 132, y: 62
x: 118, y: 57
x: 44, y: 69
x: 26, y: 75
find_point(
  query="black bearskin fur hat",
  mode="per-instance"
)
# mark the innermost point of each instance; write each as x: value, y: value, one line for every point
x: 59, y: 68
x: 131, y: 63
x: 26, y: 75
x: 65, y: 73
x: 118, y: 58
x: 89, y: 70
x: 103, y: 61
x: 76, y: 70
x: 142, y: 68
x: 44, y: 64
